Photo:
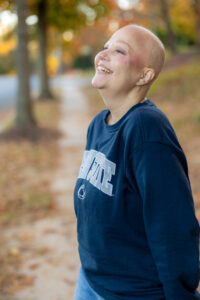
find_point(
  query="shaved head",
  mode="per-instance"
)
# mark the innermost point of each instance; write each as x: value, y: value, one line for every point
x: 128, y: 64
x: 147, y: 44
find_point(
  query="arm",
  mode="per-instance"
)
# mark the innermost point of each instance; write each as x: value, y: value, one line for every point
x: 169, y: 217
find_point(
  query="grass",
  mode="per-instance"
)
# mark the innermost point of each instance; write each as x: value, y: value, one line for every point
x: 184, y: 79
x: 177, y: 93
x: 197, y: 116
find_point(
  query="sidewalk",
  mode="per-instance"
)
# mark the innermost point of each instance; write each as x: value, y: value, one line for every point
x: 51, y: 261
x: 5, y: 118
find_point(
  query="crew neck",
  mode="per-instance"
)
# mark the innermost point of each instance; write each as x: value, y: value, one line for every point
x: 116, y: 125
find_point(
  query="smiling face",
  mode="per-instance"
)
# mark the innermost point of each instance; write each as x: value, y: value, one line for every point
x: 123, y: 60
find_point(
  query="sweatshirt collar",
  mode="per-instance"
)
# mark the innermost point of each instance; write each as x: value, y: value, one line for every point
x: 116, y: 125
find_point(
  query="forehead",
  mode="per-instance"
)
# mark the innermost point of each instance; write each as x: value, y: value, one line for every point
x: 130, y: 38
x: 120, y: 41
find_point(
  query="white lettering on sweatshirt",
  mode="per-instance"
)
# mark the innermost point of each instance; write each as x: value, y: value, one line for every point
x: 98, y: 170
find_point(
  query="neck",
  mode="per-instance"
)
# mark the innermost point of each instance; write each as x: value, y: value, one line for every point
x: 120, y: 104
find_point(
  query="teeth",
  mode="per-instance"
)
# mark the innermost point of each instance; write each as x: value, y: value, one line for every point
x: 103, y: 69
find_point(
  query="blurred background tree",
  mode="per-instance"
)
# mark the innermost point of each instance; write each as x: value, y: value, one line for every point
x: 24, y: 112
x: 88, y: 23
x: 67, y: 34
x: 196, y: 7
x: 72, y: 15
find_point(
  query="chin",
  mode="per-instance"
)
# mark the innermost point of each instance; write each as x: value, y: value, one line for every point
x: 96, y: 84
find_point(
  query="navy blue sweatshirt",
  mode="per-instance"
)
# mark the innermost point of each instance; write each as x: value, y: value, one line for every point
x: 137, y: 231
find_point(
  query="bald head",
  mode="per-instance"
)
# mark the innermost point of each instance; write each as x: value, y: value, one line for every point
x: 147, y: 44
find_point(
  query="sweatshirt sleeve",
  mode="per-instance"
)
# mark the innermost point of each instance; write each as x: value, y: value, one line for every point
x: 169, y: 217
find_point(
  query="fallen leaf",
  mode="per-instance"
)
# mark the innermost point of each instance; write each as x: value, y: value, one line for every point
x: 34, y: 266
x: 14, y: 251
x: 25, y: 236
x: 28, y: 280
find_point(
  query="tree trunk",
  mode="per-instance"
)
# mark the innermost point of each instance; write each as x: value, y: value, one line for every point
x: 45, y: 92
x: 197, y: 12
x: 24, y: 114
x: 170, y: 34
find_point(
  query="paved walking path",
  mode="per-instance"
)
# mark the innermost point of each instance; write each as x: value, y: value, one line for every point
x: 52, y: 257
x: 5, y: 118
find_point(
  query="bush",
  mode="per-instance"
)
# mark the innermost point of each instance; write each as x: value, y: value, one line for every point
x: 83, y: 62
x: 182, y: 39
x: 197, y: 116
x: 7, y: 63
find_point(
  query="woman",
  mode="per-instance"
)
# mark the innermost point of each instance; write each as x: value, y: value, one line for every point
x: 137, y: 231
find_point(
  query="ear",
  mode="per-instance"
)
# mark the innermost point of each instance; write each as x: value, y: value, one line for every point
x: 147, y: 75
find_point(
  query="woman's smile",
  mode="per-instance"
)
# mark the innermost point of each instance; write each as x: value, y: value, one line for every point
x: 101, y: 71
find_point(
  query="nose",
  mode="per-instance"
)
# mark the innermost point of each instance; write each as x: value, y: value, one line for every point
x: 102, y: 55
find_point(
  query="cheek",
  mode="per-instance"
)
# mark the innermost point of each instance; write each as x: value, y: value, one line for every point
x: 136, y: 62
x: 122, y: 60
x: 121, y: 63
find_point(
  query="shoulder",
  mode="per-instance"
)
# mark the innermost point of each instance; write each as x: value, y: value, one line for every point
x: 152, y: 114
x: 156, y: 126
x: 150, y: 124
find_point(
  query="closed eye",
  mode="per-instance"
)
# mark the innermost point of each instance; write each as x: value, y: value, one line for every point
x: 117, y: 50
x: 120, y: 51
